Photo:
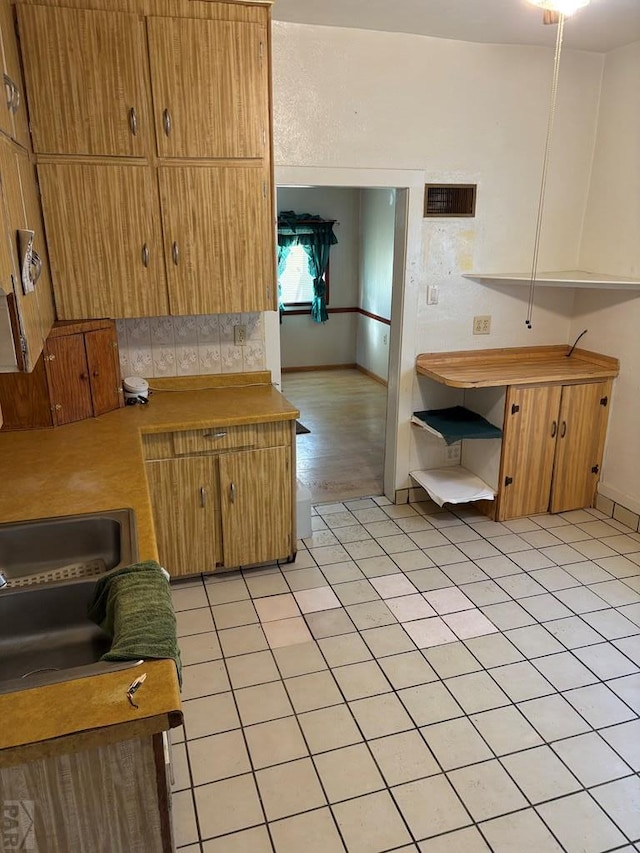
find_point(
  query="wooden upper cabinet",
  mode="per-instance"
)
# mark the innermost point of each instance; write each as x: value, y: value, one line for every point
x: 210, y: 83
x: 218, y: 239
x: 87, y: 77
x: 103, y: 231
x: 13, y: 109
x: 582, y: 428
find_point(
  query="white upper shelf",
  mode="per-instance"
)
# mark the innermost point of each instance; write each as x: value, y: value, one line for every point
x: 563, y: 278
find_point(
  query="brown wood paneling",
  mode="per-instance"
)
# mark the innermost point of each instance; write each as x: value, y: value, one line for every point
x: 68, y: 376
x: 214, y: 439
x: 99, y: 219
x: 24, y: 399
x: 581, y: 433
x: 217, y: 262
x: 100, y: 81
x: 210, y: 81
x: 528, y: 446
x: 104, y: 371
x: 230, y: 10
x: 183, y: 495
x: 255, y: 500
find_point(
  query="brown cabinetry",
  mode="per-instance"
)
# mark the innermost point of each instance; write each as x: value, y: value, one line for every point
x: 552, y: 447
x: 77, y: 377
x: 13, y: 109
x: 227, y: 504
x: 30, y: 314
x: 189, y: 98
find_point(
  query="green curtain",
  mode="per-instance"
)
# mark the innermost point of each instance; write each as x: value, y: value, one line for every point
x: 316, y: 236
x: 283, y: 254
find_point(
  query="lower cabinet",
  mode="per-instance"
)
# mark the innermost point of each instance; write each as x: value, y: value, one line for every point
x: 553, y: 442
x: 77, y: 377
x: 223, y: 508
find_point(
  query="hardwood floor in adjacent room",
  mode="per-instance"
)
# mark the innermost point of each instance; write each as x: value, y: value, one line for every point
x: 343, y: 455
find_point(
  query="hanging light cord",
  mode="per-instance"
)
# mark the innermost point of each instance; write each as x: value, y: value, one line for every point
x: 545, y: 167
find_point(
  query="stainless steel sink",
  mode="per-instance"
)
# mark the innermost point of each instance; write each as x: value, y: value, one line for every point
x: 46, y: 635
x: 58, y: 548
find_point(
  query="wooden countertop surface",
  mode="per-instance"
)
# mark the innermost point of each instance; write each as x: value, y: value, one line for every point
x: 92, y: 466
x: 516, y: 366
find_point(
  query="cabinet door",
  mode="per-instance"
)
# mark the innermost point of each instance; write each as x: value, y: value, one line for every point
x: 210, y: 88
x: 32, y: 326
x: 255, y: 498
x: 68, y: 377
x: 104, y: 371
x: 219, y: 239
x: 87, y: 78
x: 582, y: 426
x: 104, y: 240
x: 528, y: 446
x: 184, y: 513
x: 15, y: 121
x: 33, y: 221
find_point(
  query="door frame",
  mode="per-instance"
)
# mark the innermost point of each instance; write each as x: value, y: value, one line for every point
x: 409, y: 186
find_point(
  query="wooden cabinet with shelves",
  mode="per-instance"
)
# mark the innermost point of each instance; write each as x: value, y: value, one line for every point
x: 188, y: 96
x: 77, y: 377
x: 552, y: 448
x: 553, y: 426
x: 229, y: 503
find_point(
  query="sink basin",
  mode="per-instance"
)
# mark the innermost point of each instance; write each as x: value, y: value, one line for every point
x: 49, y: 549
x: 51, y: 565
x: 46, y: 636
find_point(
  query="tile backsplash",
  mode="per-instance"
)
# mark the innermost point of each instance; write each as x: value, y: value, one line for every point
x: 188, y: 346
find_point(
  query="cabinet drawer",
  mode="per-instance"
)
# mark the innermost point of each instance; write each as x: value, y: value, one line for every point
x: 214, y: 438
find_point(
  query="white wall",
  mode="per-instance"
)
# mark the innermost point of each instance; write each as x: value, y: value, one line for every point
x: 362, y: 101
x: 377, y: 226
x: 612, y: 244
x: 306, y: 343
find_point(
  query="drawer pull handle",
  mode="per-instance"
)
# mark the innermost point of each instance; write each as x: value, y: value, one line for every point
x: 145, y: 255
x: 554, y: 429
x: 232, y: 493
x: 203, y: 497
x: 166, y: 122
x: 175, y: 253
x: 563, y: 429
x: 133, y: 121
x: 214, y: 434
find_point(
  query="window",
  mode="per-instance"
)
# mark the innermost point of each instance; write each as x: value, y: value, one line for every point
x: 296, y: 283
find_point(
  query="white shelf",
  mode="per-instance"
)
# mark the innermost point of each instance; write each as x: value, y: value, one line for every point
x: 453, y: 485
x: 562, y: 278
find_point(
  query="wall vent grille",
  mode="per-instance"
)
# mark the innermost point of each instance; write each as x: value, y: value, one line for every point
x: 450, y: 200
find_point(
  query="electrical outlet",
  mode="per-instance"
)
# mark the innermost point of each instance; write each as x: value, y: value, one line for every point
x: 452, y: 452
x: 240, y: 335
x: 482, y: 324
x: 385, y: 339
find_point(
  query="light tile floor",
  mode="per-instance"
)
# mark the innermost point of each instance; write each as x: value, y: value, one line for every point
x: 417, y: 680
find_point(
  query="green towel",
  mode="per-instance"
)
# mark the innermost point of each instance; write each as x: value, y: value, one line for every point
x: 133, y: 605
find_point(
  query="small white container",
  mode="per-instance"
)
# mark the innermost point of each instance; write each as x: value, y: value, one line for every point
x: 135, y: 388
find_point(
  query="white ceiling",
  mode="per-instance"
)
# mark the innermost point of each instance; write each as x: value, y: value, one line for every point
x: 601, y: 26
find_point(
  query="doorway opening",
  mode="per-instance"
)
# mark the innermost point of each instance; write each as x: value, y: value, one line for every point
x: 337, y: 373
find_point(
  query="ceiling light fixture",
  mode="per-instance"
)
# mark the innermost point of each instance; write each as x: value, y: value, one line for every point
x: 562, y: 8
